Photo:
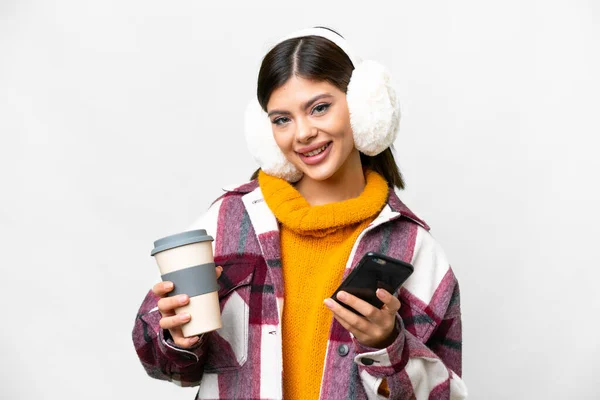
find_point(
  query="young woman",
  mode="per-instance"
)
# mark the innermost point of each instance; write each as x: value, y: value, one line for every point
x: 321, y: 130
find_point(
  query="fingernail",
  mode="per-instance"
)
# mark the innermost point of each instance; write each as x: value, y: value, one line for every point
x: 328, y: 302
x: 194, y: 339
x: 168, y: 285
x: 185, y: 316
x: 183, y: 299
x: 342, y: 296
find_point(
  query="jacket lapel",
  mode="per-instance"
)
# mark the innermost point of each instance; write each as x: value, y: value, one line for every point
x: 266, y: 228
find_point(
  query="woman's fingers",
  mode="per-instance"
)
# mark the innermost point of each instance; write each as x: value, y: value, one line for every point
x: 349, y: 327
x: 391, y: 303
x: 174, y: 321
x: 167, y: 305
x: 377, y: 327
x: 347, y: 318
x: 170, y: 320
x: 181, y: 341
x: 162, y: 288
x: 366, y: 309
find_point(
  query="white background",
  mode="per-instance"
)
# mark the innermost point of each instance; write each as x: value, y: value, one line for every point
x: 121, y: 120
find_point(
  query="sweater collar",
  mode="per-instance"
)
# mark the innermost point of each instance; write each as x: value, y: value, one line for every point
x: 395, y: 205
x: 295, y: 213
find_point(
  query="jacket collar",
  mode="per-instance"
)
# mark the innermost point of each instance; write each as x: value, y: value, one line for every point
x: 398, y: 206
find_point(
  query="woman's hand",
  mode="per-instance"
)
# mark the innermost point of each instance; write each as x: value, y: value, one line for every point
x: 378, y: 326
x: 171, y: 321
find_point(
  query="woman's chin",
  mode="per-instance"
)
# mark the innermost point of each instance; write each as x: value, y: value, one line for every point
x: 317, y: 173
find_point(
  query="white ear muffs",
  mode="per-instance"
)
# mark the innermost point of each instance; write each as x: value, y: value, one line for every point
x: 374, y: 108
x: 372, y: 103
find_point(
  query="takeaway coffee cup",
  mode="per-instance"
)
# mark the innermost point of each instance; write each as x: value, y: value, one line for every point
x: 186, y: 259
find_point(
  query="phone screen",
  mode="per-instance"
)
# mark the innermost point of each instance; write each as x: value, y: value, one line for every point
x: 374, y: 271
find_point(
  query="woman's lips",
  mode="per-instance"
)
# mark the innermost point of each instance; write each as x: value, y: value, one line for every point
x: 318, y: 158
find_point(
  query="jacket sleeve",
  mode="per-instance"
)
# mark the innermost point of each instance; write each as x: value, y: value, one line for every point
x: 410, y: 368
x: 155, y: 348
x: 157, y: 352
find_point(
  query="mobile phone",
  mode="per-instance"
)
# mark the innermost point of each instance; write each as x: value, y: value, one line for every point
x: 374, y: 271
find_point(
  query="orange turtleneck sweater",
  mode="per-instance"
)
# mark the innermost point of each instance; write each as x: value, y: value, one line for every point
x: 315, y: 245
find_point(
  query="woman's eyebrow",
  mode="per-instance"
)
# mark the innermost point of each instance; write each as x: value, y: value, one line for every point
x: 304, y: 106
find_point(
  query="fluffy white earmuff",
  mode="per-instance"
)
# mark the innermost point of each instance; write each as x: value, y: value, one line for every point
x: 374, y: 108
x: 372, y: 103
x: 263, y: 147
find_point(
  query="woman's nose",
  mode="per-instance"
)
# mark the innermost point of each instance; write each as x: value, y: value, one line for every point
x: 305, y: 131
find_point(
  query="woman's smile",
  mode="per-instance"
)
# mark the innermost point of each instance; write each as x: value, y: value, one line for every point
x: 317, y: 155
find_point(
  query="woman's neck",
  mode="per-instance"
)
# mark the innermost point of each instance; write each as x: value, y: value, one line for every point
x: 346, y: 183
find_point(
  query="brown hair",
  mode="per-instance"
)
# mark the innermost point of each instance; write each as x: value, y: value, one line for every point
x: 319, y: 59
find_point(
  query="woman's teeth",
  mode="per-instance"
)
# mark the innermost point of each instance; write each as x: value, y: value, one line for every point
x: 315, y: 152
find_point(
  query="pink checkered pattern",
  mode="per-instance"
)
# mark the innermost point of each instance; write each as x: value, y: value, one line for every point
x: 243, y: 360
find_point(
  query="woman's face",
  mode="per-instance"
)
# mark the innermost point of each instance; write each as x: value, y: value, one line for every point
x: 311, y: 125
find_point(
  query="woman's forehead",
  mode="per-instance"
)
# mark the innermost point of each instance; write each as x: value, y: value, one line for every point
x: 296, y: 91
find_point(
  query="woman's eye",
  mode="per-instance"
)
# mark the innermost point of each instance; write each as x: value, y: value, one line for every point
x: 321, y: 108
x: 280, y: 121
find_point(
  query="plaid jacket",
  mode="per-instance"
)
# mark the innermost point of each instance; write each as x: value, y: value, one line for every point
x: 243, y: 360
